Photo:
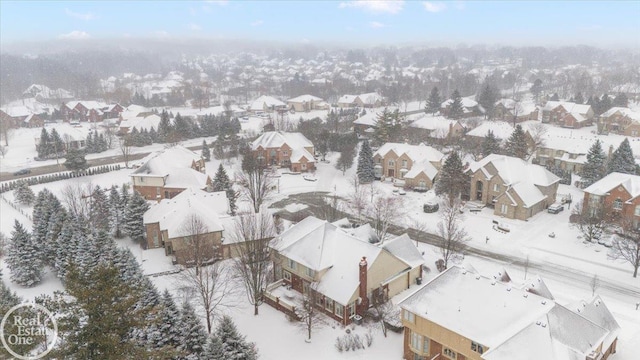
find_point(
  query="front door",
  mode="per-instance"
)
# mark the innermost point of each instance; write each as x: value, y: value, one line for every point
x: 391, y: 173
x: 479, y: 186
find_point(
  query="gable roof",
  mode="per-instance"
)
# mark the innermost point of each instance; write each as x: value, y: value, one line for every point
x: 347, y: 99
x: 416, y: 153
x: 171, y: 214
x: 631, y: 183
x: 633, y: 115
x: 275, y: 139
x: 305, y: 98
x: 434, y: 123
x: 501, y: 129
x: 160, y: 163
x: 568, y: 107
x: 258, y: 104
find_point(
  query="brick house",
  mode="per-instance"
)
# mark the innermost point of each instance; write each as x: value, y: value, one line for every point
x: 93, y: 111
x: 502, y: 130
x: 567, y: 114
x: 368, y: 100
x: 616, y: 194
x: 463, y: 315
x: 166, y: 173
x: 515, y: 111
x: 289, y: 150
x: 20, y: 117
x: 470, y: 108
x: 436, y: 128
x: 417, y: 165
x: 346, y: 273
x: 620, y: 120
x: 515, y: 188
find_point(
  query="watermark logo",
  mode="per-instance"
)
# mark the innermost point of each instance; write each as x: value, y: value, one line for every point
x: 28, y: 331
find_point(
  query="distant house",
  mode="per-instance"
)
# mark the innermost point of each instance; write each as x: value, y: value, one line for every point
x: 191, y: 221
x: 368, y: 100
x: 502, y: 130
x: 167, y: 173
x: 513, y: 187
x: 417, y: 165
x: 143, y: 121
x: 305, y: 103
x: 620, y: 120
x: 437, y: 128
x: 44, y: 94
x: 462, y: 315
x: 290, y: 150
x: 567, y: 114
x: 470, y: 108
x: 346, y: 274
x: 616, y: 193
x: 20, y: 117
x: 515, y: 111
x: 266, y: 104
x: 93, y: 111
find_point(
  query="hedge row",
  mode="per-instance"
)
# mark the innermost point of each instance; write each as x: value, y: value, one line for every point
x: 34, y: 180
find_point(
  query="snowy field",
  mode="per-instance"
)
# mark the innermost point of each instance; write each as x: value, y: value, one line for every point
x: 526, y: 238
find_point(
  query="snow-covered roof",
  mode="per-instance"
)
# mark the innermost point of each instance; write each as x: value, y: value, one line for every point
x: 347, y: 99
x: 434, y: 123
x: 633, y: 115
x: 275, y: 139
x: 420, y: 167
x: 501, y: 129
x: 568, y: 106
x: 508, y: 320
x: 467, y: 103
x: 259, y: 103
x: 174, y: 165
x: 17, y: 111
x: 416, y: 153
x: 47, y: 93
x: 370, y: 98
x: 148, y: 122
x: 305, y: 98
x: 172, y: 214
x: 403, y: 248
x: 602, y: 187
x: 597, y: 312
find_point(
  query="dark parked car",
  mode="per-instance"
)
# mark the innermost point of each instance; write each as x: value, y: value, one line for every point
x: 22, y: 172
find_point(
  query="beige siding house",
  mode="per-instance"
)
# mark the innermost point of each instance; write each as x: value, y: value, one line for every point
x: 417, y: 165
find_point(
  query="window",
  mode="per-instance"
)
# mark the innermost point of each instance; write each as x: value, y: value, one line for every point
x: 141, y: 179
x: 416, y: 341
x: 311, y: 272
x: 504, y: 208
x: 496, y: 187
x: 449, y: 353
x: 352, y: 309
x: 637, y: 211
x: 392, y: 163
x: 273, y: 153
x: 404, y: 164
x: 339, y: 311
x: 477, y: 347
x: 305, y: 288
x: 409, y: 316
x: 292, y: 264
x: 286, y: 275
x: 378, y: 160
x: 285, y: 153
x: 328, y: 304
x: 318, y: 299
x: 617, y: 204
x: 425, y: 345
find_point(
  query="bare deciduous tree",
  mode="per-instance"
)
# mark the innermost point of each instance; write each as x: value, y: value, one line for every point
x: 213, y: 287
x: 252, y: 261
x: 198, y: 246
x: 256, y: 184
x: 591, y: 222
x: 537, y: 131
x: 125, y: 149
x: 357, y: 201
x: 626, y: 246
x: 386, y: 313
x: 453, y: 235
x: 76, y: 197
x: 4, y: 150
x: 385, y: 210
x: 6, y: 130
x: 307, y: 311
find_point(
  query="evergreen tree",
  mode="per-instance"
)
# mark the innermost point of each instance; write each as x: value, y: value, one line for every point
x: 164, y: 127
x: 365, y: 169
x: 133, y: 217
x: 45, y: 145
x: 487, y: 99
x: 621, y: 100
x: 169, y: 331
x: 116, y: 212
x: 579, y: 99
x: 65, y: 249
x: 595, y: 167
x: 536, y: 89
x: 434, y: 101
x: 452, y: 179
x: 455, y: 108
x: 23, y: 194
x: 554, y: 97
x: 383, y: 125
x: 490, y: 144
x: 75, y: 160
x: 58, y: 145
x: 193, y: 336
x: 181, y: 126
x: 516, y: 145
x: 99, y: 214
x: 604, y: 105
x: 89, y: 143
x: 44, y: 210
x: 234, y: 345
x: 622, y: 160
x: 23, y: 258
x: 54, y: 230
x: 206, y: 153
x: 221, y: 180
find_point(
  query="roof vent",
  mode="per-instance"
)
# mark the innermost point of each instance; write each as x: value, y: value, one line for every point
x: 538, y: 322
x: 544, y: 302
x: 464, y: 272
x: 525, y: 295
x: 544, y: 325
x: 493, y: 283
x: 478, y: 277
x: 509, y: 288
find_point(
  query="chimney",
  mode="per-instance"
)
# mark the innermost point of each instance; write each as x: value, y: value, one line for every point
x: 610, y: 152
x: 362, y: 290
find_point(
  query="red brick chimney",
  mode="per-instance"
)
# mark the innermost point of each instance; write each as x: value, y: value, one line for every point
x: 362, y: 290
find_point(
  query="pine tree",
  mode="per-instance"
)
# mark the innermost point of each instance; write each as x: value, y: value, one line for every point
x: 604, y: 105
x: 89, y: 143
x: 44, y: 208
x: 234, y: 345
x: 23, y: 194
x: 44, y: 146
x: 622, y: 160
x: 455, y: 108
x: 116, y: 212
x: 595, y: 167
x: 54, y: 230
x: 99, y: 214
x: 365, y: 169
x: 554, y: 97
x: 383, y: 125
x: 221, y: 182
x: 58, y: 145
x: 75, y: 160
x: 23, y: 258
x: 536, y: 89
x: 193, y: 337
x: 434, y: 101
x: 452, y: 179
x: 621, y: 100
x: 487, y: 99
x: 133, y: 217
x: 169, y: 327
x: 579, y: 99
x: 181, y: 126
x: 516, y: 145
x: 490, y: 144
x: 206, y: 153
x: 164, y: 127
x: 214, y: 349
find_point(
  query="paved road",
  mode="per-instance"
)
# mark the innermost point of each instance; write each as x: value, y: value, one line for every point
x: 316, y: 206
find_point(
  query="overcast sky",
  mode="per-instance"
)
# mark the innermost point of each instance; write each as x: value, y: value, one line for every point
x: 601, y: 23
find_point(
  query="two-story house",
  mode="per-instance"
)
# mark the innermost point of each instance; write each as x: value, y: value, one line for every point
x: 470, y: 108
x: 166, y: 173
x: 567, y: 114
x: 616, y: 194
x: 306, y: 103
x: 515, y: 188
x: 515, y: 111
x: 290, y: 150
x: 417, y: 165
x: 462, y: 315
x: 266, y: 104
x: 368, y: 100
x: 436, y: 128
x: 620, y: 120
x: 502, y: 130
x: 346, y: 273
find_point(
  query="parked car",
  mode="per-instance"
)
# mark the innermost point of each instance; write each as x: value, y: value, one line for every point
x: 555, y: 208
x: 22, y: 172
x: 430, y: 207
